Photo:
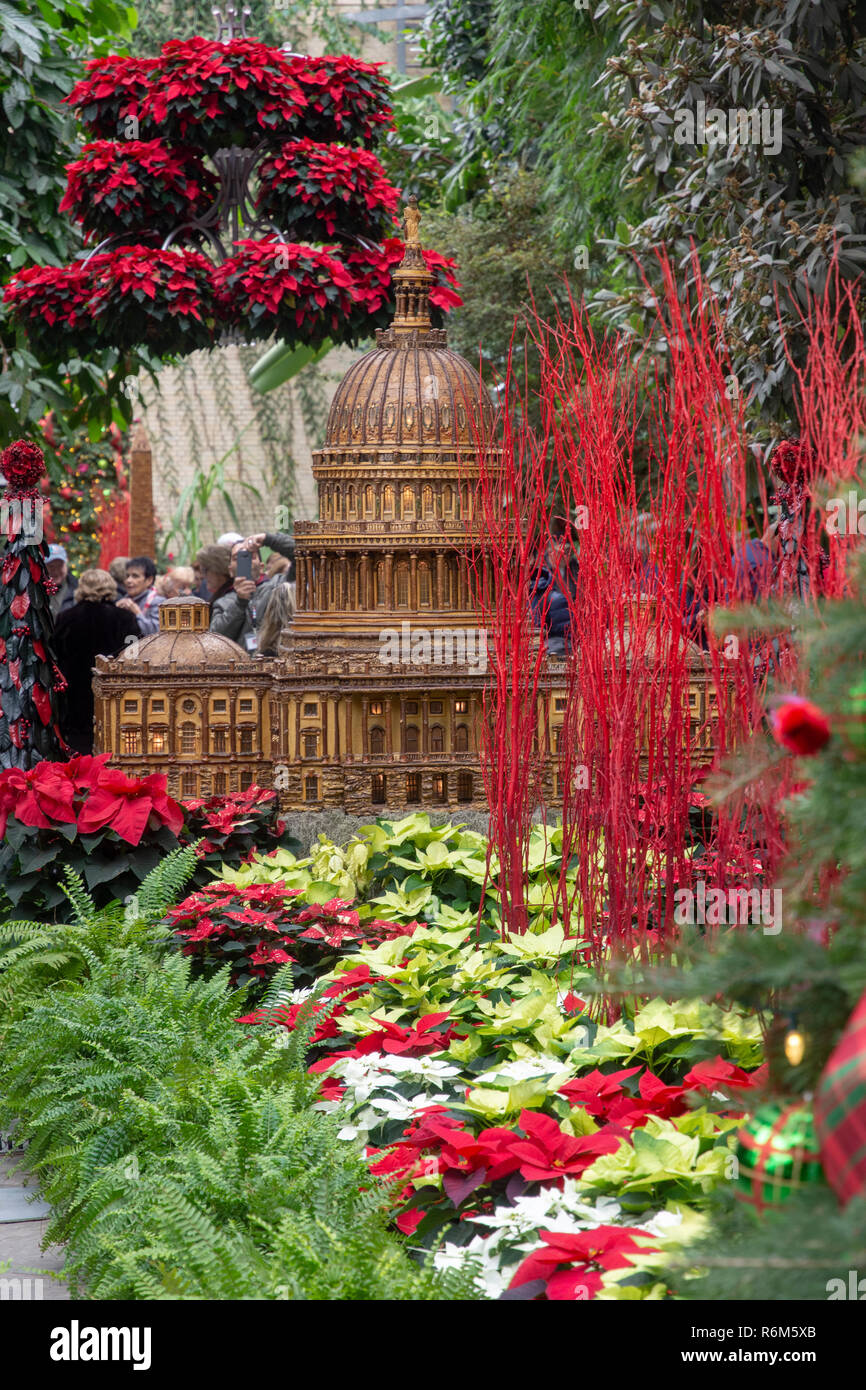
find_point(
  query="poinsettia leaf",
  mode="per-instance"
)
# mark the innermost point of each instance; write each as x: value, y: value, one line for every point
x: 33, y: 856
x: 459, y: 1186
x: 524, y: 1292
x: 104, y: 868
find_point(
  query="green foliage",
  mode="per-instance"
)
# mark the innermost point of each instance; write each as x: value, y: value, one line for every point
x: 41, y: 51
x: 508, y: 256
x: 764, y: 220
x: 791, y: 1254
x: 523, y: 73
x: 287, y: 21
x: 183, y: 1160
x: 36, y: 955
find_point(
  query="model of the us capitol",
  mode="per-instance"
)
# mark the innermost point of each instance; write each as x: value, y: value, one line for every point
x: 374, y: 703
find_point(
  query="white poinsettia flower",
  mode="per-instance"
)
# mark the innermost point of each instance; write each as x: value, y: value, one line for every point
x: 604, y: 1211
x: 360, y: 1127
x: 524, y: 1068
x: 294, y: 996
x: 492, y: 1278
x: 395, y: 1107
x: 427, y: 1068
x: 661, y: 1223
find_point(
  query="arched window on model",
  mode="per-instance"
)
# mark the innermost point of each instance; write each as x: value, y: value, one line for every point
x: 427, y: 500
x: 388, y: 503
x: 437, y: 739
x: 401, y: 585
x: 350, y: 500
x: 413, y: 739
x: 461, y: 739
x: 369, y: 502
x: 425, y: 587
x: 338, y: 502
x: 448, y: 500
x: 377, y: 740
x: 380, y: 584
x: 408, y: 503
x: 377, y: 790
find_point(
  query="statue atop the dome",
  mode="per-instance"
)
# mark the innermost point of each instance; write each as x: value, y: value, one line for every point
x: 411, y: 221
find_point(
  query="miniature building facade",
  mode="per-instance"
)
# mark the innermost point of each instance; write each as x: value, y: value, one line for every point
x: 374, y: 702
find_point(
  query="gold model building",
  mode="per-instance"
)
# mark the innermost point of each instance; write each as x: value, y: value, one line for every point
x: 374, y: 702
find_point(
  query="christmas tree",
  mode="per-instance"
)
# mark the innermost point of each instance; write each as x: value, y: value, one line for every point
x: 30, y: 681
x: 798, y: 1239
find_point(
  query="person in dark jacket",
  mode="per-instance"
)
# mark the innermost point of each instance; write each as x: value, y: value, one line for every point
x: 93, y: 626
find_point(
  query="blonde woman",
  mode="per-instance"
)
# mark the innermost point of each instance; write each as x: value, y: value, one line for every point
x: 93, y: 626
x: 278, y: 615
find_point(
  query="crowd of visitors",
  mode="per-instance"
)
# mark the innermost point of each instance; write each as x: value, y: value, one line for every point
x: 251, y: 601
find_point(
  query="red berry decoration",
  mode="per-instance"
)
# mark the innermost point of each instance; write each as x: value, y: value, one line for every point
x: 800, y: 726
x: 22, y: 464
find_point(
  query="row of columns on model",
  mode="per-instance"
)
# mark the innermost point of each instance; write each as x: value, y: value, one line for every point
x: 389, y: 502
x: 421, y: 732
x: 363, y: 582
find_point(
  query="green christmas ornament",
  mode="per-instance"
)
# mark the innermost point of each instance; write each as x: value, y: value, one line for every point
x: 777, y: 1154
x: 854, y: 708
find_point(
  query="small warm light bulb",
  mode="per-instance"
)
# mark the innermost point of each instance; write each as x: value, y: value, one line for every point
x: 795, y: 1047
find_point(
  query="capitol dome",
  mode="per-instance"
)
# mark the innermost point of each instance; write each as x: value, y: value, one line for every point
x: 410, y: 392
x: 184, y: 638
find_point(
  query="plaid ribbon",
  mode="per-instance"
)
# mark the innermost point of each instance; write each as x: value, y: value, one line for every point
x: 840, y: 1109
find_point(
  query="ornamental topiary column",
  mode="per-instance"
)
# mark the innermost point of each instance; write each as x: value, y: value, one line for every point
x: 30, y: 681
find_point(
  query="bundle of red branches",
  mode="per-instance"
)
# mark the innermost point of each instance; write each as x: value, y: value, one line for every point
x: 629, y: 507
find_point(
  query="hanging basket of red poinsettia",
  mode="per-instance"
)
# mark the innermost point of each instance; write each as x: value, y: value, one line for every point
x: 296, y: 292
x: 347, y: 98
x: 260, y: 116
x: 109, y: 100
x: 122, y: 298
x: 222, y: 94
x: 120, y: 185
x: 313, y: 192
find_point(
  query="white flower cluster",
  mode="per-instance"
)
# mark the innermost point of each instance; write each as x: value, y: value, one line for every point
x: 514, y: 1231
x: 370, y: 1096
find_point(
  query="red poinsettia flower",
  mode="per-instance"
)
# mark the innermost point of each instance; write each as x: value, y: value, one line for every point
x: 711, y: 1075
x: 800, y: 726
x: 548, y: 1153
x: 413, y: 1041
x: 41, y: 797
x: 588, y: 1254
x: 382, y: 930
x: 468, y: 1160
x: 331, y: 934
x: 597, y: 1090
x: 126, y: 804
x: 269, y: 955
x: 351, y: 980
x: 335, y: 910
